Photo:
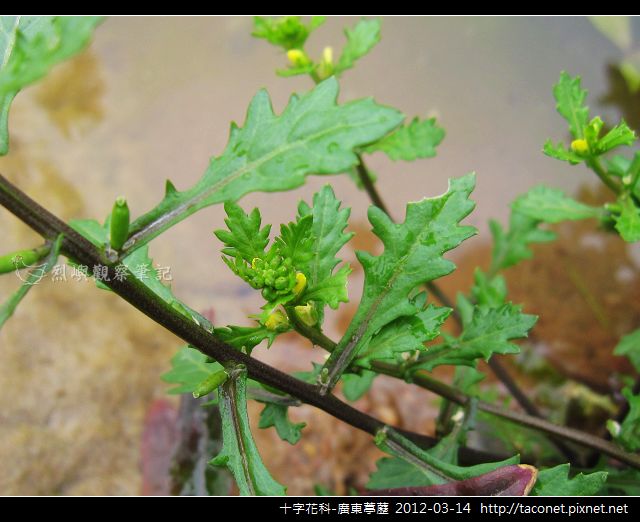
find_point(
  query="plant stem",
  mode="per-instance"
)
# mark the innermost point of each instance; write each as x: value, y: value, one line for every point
x: 451, y: 394
x: 584, y: 439
x: 78, y: 248
x: 595, y: 165
x: 369, y: 186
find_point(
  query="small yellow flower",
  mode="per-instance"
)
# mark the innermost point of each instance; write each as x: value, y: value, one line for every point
x: 301, y: 283
x: 276, y: 321
x: 580, y: 146
x: 298, y: 58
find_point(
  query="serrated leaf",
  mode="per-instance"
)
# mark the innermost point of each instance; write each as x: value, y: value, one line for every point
x: 618, y: 165
x: 35, y: 275
x: 356, y: 385
x: 332, y: 290
x: 313, y: 135
x: 570, y: 98
x: 628, y: 221
x: 556, y: 482
x: 404, y: 335
x: 288, y: 32
x: 413, y: 255
x: 621, y: 482
x: 329, y: 222
x: 245, y: 238
x: 551, y: 205
x: 141, y: 266
x: 488, y: 292
x: 627, y: 433
x: 239, y: 452
x: 512, y: 246
x: 629, y: 345
x: 92, y: 230
x: 246, y: 337
x: 360, y: 40
x: 29, y: 47
x: 296, y: 241
x: 559, y: 151
x: 189, y: 367
x: 516, y: 480
x: 277, y: 415
x: 489, y: 331
x: 418, y: 139
x: 620, y: 135
x: 417, y: 467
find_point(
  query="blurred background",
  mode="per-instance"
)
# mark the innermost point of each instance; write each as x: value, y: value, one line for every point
x: 152, y: 98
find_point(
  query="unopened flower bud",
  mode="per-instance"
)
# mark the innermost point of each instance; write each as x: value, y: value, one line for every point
x: 580, y: 146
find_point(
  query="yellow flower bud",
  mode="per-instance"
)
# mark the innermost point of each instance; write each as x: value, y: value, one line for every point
x: 307, y: 314
x: 327, y: 55
x: 301, y: 283
x: 277, y: 321
x: 298, y: 58
x: 580, y: 146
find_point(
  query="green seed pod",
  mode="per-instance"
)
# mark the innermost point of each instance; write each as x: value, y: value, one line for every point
x: 210, y: 383
x: 21, y: 258
x: 258, y: 281
x: 119, y: 223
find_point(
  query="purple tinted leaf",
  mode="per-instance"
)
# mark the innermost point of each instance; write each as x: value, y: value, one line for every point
x: 516, y: 480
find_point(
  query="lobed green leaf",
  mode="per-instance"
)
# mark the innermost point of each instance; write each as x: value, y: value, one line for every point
x: 239, y: 452
x: 413, y: 255
x: 277, y: 415
x: 288, y: 32
x: 360, y: 40
x: 313, y: 135
x: 556, y: 482
x: 570, y: 98
x: 512, y: 246
x: 628, y: 221
x: 189, y: 367
x: 550, y: 205
x: 29, y: 47
x: 418, y: 139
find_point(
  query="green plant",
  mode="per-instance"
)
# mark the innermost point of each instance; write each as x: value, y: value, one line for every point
x: 397, y: 328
